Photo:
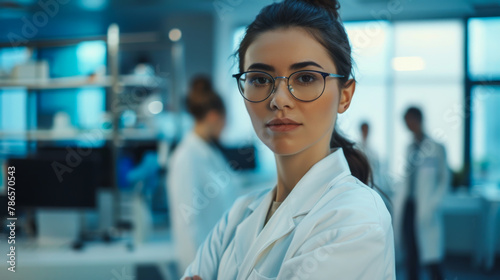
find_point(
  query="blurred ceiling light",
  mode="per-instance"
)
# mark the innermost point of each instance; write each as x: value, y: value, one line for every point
x: 155, y: 107
x: 175, y: 35
x: 408, y: 63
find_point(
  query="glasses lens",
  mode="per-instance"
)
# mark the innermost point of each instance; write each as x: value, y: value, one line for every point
x: 255, y: 86
x: 306, y: 85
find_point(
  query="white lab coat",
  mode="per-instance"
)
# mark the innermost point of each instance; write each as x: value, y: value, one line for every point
x: 331, y: 226
x: 432, y: 182
x: 200, y: 189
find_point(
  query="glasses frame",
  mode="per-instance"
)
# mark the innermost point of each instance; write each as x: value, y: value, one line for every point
x: 273, y: 90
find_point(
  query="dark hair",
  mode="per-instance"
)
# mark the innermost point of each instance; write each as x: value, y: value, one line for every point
x: 414, y: 112
x: 321, y: 19
x: 364, y: 124
x: 202, y: 99
x: 358, y: 163
x: 201, y: 83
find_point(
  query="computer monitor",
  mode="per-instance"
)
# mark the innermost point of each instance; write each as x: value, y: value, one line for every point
x: 51, y: 182
x: 240, y: 158
x: 100, y: 156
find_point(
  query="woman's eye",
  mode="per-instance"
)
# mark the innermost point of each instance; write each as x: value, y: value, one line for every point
x: 306, y: 78
x: 260, y: 80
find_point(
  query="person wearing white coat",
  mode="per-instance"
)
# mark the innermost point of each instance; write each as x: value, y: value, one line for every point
x: 331, y: 226
x: 427, y: 181
x: 379, y: 178
x: 320, y: 221
x: 200, y: 181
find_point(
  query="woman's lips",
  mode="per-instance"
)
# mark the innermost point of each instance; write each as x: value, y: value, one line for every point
x: 283, y: 124
x: 283, y: 127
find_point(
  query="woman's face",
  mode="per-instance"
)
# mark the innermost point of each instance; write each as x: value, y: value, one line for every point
x: 280, y: 53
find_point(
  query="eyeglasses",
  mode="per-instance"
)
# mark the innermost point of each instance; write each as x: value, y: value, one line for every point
x: 305, y: 85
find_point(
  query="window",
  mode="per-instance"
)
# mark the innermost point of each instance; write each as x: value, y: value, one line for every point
x: 484, y: 46
x: 238, y: 126
x: 404, y: 64
x: 428, y: 73
x: 370, y: 50
x: 486, y: 134
x: 484, y: 76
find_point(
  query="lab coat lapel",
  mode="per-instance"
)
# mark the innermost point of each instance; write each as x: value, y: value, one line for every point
x: 316, y: 182
x: 299, y: 202
x: 249, y: 229
x: 259, y: 240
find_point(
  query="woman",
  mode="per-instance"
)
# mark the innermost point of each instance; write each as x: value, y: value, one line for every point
x: 200, y: 182
x: 319, y: 221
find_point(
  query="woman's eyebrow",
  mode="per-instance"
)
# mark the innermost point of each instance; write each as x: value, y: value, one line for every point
x: 261, y: 66
x: 304, y: 64
x: 295, y: 66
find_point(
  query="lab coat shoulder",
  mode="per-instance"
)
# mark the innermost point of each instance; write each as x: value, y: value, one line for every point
x: 349, y: 222
x: 350, y: 202
x: 189, y: 150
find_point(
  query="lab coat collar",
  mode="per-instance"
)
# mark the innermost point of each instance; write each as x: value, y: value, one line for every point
x: 193, y: 137
x: 299, y: 202
x: 203, y: 148
x: 197, y: 140
x: 419, y: 143
x: 316, y: 181
x: 305, y: 195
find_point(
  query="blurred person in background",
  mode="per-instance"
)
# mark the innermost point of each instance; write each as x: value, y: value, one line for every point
x: 365, y: 147
x: 370, y: 154
x: 427, y: 181
x: 320, y: 220
x: 378, y: 174
x: 200, y: 182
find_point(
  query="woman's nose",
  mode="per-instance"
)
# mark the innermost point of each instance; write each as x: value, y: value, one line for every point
x: 281, y: 96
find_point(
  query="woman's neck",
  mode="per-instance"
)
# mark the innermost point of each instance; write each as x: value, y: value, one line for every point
x: 291, y: 168
x: 202, y: 131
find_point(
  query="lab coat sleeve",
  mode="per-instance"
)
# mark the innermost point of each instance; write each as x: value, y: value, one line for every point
x: 354, y: 252
x: 209, y: 255
x: 443, y: 176
x: 206, y: 262
x: 186, y: 177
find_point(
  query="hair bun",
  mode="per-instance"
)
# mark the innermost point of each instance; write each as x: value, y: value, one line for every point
x: 332, y: 6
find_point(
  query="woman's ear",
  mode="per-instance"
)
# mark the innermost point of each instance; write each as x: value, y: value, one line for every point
x: 346, y: 95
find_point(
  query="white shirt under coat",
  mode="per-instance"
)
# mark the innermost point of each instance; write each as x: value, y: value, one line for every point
x: 331, y: 226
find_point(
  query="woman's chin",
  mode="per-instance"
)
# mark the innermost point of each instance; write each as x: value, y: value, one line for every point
x: 281, y: 144
x: 283, y: 149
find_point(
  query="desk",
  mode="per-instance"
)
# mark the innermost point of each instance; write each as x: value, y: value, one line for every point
x: 462, y: 214
x: 95, y: 261
x: 490, y: 196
